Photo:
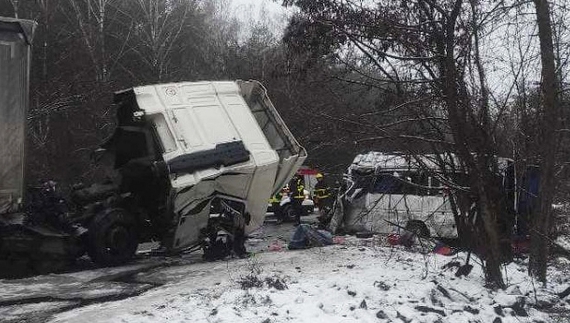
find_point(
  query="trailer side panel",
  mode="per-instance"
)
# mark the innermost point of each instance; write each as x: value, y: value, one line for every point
x: 15, y: 48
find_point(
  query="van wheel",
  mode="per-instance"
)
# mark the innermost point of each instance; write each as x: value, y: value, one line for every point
x: 418, y: 228
x: 288, y: 213
x: 112, y: 237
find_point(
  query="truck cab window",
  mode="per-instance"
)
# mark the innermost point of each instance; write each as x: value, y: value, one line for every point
x: 129, y: 145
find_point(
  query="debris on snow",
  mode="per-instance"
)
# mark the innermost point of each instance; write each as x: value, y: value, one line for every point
x: 355, y: 282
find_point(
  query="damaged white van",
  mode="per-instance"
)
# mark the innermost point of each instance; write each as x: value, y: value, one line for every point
x: 386, y: 192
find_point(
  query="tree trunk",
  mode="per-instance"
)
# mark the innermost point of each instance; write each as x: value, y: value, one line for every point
x: 550, y: 122
x: 479, y: 168
x: 15, y: 6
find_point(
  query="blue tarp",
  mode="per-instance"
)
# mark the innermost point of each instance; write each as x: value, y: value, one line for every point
x: 306, y: 236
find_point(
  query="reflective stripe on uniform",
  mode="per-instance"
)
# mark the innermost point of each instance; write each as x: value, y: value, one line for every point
x: 322, y: 193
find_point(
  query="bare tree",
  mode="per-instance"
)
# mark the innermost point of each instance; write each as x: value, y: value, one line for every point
x: 431, y: 49
x: 157, y: 28
x: 15, y: 5
x: 91, y: 17
x: 549, y: 141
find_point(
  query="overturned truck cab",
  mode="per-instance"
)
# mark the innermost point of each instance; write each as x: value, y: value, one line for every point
x: 177, y: 149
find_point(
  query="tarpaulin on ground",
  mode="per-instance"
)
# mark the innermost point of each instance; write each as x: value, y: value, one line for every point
x: 306, y: 236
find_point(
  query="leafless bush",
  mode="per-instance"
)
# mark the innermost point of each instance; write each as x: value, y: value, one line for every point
x: 250, y: 281
x: 276, y: 282
x: 254, y: 280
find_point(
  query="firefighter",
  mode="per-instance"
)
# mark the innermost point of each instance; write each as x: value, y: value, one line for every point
x: 322, y: 193
x: 297, y: 189
x: 275, y: 201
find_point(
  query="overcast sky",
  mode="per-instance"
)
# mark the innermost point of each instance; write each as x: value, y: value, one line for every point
x: 261, y: 10
x: 272, y: 5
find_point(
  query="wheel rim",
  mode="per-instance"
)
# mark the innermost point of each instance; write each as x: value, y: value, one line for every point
x: 118, y: 239
x: 290, y: 213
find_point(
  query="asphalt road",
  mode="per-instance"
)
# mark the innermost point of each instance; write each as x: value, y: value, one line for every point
x: 35, y: 299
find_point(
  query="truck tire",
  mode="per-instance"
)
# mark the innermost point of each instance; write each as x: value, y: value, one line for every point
x: 112, y: 237
x: 418, y: 228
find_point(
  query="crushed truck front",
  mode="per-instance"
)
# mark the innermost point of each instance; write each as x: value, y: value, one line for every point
x: 216, y: 140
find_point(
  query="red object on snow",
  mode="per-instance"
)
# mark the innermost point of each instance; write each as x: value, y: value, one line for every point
x: 338, y: 240
x: 406, y: 239
x: 520, y: 245
x: 393, y: 239
x: 442, y: 249
x: 275, y: 246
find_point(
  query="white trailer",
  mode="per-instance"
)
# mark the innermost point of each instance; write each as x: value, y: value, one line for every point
x: 15, y: 52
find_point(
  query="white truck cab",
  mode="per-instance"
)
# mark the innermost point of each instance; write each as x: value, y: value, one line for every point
x: 210, y: 140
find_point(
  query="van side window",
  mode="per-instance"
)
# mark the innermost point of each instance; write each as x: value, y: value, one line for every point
x: 435, y: 186
x: 387, y: 184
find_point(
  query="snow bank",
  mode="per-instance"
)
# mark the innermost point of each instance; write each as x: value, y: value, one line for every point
x: 341, y: 283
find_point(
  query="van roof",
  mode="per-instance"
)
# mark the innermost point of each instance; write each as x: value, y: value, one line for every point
x: 380, y: 161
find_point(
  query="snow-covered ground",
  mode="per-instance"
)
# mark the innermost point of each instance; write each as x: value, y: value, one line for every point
x: 356, y: 280
x: 361, y: 280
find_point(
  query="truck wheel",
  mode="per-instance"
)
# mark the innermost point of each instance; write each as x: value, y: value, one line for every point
x: 418, y: 228
x: 112, y: 237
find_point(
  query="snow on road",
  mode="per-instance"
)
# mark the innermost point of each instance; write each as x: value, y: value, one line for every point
x: 355, y: 282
